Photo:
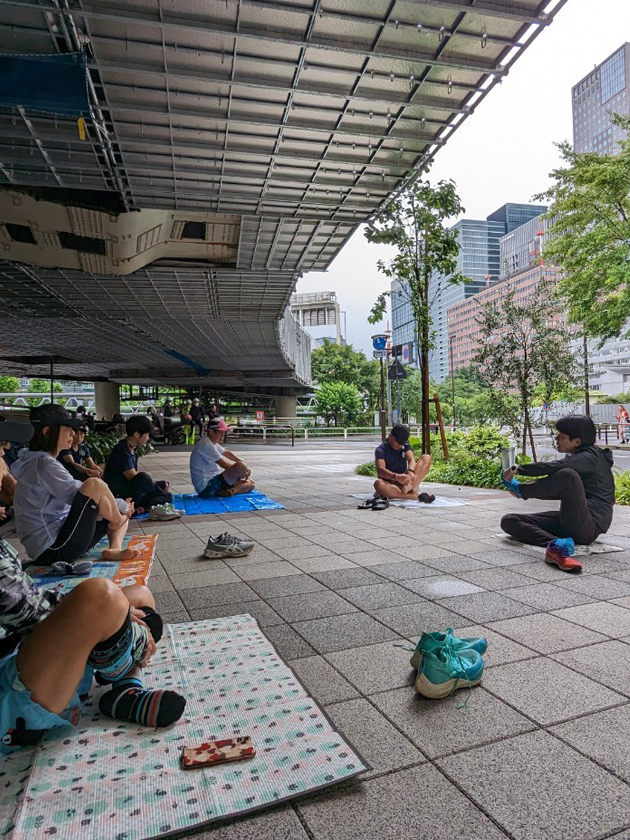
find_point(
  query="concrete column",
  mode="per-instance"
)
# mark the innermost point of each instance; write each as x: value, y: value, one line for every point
x: 107, y: 398
x: 286, y: 407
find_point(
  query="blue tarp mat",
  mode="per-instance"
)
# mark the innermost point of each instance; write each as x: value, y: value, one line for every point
x: 54, y: 84
x: 255, y: 500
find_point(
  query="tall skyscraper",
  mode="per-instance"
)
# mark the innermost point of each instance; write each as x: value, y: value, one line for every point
x: 605, y: 90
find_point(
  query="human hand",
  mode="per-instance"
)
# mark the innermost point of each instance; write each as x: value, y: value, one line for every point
x: 3, y: 512
x: 510, y: 473
x: 93, y: 473
x: 137, y: 616
x: 131, y: 508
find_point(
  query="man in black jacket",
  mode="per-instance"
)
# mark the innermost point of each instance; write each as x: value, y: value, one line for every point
x: 584, y: 484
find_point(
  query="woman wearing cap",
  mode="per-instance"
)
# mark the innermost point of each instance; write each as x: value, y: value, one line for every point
x: 57, y: 518
x: 214, y: 470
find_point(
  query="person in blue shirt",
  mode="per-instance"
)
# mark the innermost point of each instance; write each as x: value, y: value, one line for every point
x: 78, y: 458
x: 399, y: 475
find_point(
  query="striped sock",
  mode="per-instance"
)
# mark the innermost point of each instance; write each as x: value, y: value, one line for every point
x: 129, y: 701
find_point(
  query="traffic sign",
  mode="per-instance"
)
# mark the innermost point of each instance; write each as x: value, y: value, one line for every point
x: 379, y: 342
x: 379, y: 354
x: 396, y: 371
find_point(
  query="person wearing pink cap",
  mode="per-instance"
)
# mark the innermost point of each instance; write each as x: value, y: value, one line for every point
x: 214, y: 470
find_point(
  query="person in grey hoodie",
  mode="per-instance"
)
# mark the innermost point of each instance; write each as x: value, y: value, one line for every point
x: 58, y: 518
x: 582, y: 482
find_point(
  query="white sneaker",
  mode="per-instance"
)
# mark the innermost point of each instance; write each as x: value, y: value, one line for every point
x: 163, y: 513
x: 227, y: 546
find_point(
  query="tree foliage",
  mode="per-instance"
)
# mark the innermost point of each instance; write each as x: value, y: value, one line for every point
x: 334, y: 363
x: 414, y: 224
x: 521, y: 348
x: 590, y: 235
x: 338, y: 402
x: 42, y: 386
x: 9, y: 384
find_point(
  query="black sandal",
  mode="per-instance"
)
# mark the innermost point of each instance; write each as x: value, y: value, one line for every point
x: 380, y: 504
x: 366, y: 505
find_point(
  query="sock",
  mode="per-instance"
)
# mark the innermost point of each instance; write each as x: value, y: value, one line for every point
x: 154, y: 622
x: 566, y: 542
x: 129, y: 701
x: 117, y: 656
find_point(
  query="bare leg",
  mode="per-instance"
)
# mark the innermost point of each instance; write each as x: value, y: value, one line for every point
x: 235, y: 473
x: 422, y: 468
x: 52, y: 660
x: 244, y: 486
x: 7, y: 488
x: 139, y: 595
x: 97, y: 490
x: 391, y: 491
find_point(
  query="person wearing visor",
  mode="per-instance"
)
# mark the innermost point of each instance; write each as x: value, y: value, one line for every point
x: 214, y: 470
x: 399, y: 476
x: 58, y: 518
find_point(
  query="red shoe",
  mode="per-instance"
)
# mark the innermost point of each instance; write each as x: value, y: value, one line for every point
x: 562, y: 557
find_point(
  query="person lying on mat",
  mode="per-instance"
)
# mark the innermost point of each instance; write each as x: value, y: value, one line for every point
x: 78, y: 459
x: 583, y: 483
x: 121, y: 469
x: 58, y: 518
x: 49, y: 644
x: 399, y: 476
x: 214, y: 470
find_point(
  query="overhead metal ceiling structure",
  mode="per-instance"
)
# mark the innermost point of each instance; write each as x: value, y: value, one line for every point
x: 286, y: 123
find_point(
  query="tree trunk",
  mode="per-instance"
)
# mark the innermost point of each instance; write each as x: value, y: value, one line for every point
x: 424, y: 332
x: 528, y: 428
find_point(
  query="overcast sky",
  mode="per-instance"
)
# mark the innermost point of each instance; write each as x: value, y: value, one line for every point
x: 504, y: 151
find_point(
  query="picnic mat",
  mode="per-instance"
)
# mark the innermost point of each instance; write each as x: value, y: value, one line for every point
x: 114, y: 780
x: 124, y: 572
x: 193, y: 505
x: 598, y: 547
x: 440, y: 501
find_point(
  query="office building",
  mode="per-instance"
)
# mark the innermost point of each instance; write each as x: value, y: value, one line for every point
x: 464, y: 332
x: 316, y: 312
x: 603, y: 91
x: 523, y: 247
x: 479, y: 261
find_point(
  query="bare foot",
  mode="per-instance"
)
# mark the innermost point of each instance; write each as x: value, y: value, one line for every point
x: 112, y: 556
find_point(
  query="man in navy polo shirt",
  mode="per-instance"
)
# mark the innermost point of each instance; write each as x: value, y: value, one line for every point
x: 399, y: 476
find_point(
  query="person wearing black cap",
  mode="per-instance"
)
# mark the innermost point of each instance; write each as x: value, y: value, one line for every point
x: 399, y: 476
x: 57, y: 518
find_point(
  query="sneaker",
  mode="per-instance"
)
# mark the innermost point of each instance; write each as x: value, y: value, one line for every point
x: 431, y: 642
x: 227, y: 545
x: 80, y: 568
x: 560, y: 553
x: 512, y: 486
x: 447, y: 669
x: 171, y: 507
x: 164, y: 512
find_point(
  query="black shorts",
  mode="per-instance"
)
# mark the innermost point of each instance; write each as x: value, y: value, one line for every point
x: 79, y: 533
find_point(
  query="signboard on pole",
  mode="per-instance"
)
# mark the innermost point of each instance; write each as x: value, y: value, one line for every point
x: 379, y: 341
x: 406, y: 355
x: 379, y: 354
x: 396, y: 371
x: 260, y: 416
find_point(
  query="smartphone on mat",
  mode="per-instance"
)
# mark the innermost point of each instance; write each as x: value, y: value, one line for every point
x: 211, y: 753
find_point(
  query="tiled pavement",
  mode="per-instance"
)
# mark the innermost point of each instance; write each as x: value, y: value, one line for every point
x: 540, y: 750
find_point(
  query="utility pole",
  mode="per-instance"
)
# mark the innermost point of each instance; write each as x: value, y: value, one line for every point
x: 587, y: 395
x: 450, y: 343
x: 382, y: 411
x: 389, y: 393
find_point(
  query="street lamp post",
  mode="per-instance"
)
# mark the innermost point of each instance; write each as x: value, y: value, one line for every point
x: 450, y: 341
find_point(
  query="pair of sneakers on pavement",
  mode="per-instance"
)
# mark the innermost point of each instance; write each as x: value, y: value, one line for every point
x: 445, y: 663
x: 227, y: 546
x: 163, y: 513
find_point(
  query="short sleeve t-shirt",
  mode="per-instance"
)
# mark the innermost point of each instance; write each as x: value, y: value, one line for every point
x: 203, y: 463
x: 79, y: 455
x: 395, y: 459
x: 120, y: 460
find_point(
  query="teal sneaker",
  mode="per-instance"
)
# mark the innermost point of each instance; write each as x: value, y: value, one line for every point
x: 431, y: 642
x: 448, y: 669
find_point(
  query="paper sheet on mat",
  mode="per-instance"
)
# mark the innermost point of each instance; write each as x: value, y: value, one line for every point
x: 597, y: 547
x: 440, y: 501
x: 112, y: 780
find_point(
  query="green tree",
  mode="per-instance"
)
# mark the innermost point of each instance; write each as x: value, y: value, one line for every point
x: 42, y: 386
x: 519, y: 350
x: 413, y: 223
x: 338, y: 402
x: 334, y: 363
x: 590, y: 235
x: 9, y: 384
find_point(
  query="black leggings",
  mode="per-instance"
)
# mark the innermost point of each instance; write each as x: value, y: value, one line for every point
x: 572, y: 520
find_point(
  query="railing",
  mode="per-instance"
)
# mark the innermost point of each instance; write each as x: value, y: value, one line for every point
x: 266, y: 434
x: 605, y: 429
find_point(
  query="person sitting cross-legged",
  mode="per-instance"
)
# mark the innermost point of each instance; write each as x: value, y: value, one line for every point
x: 583, y: 483
x: 214, y: 470
x: 50, y: 645
x: 58, y: 518
x: 78, y: 459
x: 399, y: 476
x: 125, y: 480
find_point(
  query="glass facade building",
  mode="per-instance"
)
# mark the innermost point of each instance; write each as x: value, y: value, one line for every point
x: 603, y: 91
x: 479, y: 261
